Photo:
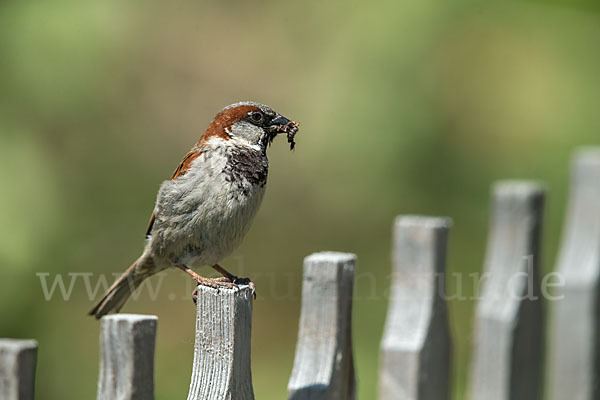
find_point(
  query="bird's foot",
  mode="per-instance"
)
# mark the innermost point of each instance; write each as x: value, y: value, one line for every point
x: 236, y: 279
x: 215, y: 283
x: 223, y: 282
x: 244, y: 281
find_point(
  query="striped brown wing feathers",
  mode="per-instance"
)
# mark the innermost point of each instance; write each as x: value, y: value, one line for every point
x: 181, y: 169
x: 186, y: 163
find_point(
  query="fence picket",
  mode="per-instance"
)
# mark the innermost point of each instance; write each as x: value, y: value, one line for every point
x: 507, y: 352
x: 324, y: 365
x: 416, y: 344
x: 221, y: 367
x: 127, y: 357
x: 17, y: 368
x: 574, y: 333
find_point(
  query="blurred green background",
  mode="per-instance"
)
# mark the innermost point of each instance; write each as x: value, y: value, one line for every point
x: 406, y: 107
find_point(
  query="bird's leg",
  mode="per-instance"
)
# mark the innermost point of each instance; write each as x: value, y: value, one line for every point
x: 224, y: 272
x: 235, y: 279
x: 214, y: 283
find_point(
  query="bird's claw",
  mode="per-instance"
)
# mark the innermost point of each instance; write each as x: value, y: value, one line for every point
x: 245, y: 281
x: 223, y: 282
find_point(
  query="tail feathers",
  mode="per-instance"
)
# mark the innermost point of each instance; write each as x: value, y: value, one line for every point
x: 116, y: 296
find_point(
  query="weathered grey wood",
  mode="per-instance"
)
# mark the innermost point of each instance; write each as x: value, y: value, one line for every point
x: 323, y: 365
x: 508, y: 338
x: 416, y: 344
x: 221, y: 368
x: 574, y: 336
x: 127, y: 357
x: 17, y: 368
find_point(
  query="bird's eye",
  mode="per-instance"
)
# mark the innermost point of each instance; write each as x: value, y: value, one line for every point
x: 256, y: 116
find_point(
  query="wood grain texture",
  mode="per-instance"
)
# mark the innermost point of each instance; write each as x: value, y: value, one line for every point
x: 416, y: 347
x: 508, y: 338
x: 127, y: 357
x: 323, y: 365
x: 574, y: 335
x: 17, y: 368
x: 221, y: 369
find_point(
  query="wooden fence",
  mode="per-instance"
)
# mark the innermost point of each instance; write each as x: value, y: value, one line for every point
x: 416, y: 348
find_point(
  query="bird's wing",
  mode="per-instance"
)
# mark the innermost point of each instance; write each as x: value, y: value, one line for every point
x: 186, y: 163
x: 181, y: 169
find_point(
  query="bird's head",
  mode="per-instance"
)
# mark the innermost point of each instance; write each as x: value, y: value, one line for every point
x: 251, y: 123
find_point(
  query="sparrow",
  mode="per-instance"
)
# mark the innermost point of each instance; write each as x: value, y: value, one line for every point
x: 204, y: 211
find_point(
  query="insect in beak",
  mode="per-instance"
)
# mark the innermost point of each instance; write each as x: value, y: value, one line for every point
x: 283, y: 125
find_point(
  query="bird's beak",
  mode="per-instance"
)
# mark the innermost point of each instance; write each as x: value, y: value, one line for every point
x: 279, y: 124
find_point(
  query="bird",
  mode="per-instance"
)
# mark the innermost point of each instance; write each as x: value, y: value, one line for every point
x: 204, y: 211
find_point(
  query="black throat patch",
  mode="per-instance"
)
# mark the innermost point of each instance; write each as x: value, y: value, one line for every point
x: 247, y: 165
